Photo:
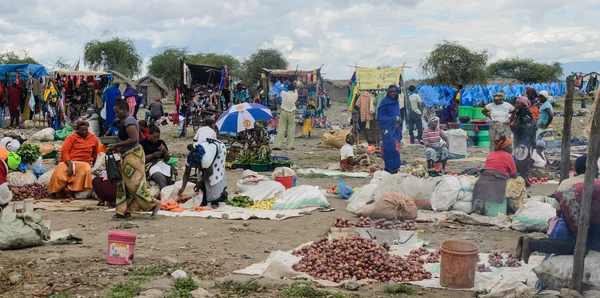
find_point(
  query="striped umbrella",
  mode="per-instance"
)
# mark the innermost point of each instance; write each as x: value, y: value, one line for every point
x: 242, y: 116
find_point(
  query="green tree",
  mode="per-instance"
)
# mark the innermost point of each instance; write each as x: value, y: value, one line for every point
x: 61, y: 63
x: 119, y: 54
x: 165, y: 65
x: 525, y: 70
x: 219, y: 60
x: 9, y: 57
x: 451, y: 63
x: 263, y: 58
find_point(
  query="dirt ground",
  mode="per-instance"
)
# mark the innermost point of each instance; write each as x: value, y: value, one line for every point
x: 212, y: 248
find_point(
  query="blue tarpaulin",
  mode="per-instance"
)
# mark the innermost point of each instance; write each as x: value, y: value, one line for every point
x: 23, y: 69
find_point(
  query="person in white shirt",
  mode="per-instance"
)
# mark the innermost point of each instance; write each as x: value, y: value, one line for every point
x: 347, y: 159
x: 287, y: 124
x: 205, y: 132
x: 500, y: 112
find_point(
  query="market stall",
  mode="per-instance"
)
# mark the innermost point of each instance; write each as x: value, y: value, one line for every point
x: 30, y: 78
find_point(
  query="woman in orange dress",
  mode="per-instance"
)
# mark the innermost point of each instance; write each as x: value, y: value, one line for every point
x: 73, y: 174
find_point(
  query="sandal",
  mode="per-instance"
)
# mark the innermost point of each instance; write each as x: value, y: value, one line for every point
x: 156, y: 209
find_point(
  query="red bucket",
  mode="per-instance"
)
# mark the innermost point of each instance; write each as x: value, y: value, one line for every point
x: 120, y: 248
x: 287, y: 181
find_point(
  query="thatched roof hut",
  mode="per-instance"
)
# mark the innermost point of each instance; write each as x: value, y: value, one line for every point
x: 151, y: 88
x: 122, y: 80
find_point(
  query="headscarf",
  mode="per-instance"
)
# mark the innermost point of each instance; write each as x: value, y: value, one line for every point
x: 525, y: 101
x: 194, y: 158
x: 502, y: 142
x: 499, y: 95
x: 540, y: 143
x: 81, y: 123
x: 387, y: 113
x: 434, y: 118
x: 545, y: 94
x: 128, y: 92
x: 530, y: 92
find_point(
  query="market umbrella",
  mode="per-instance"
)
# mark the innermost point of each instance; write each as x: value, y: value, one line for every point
x: 242, y: 116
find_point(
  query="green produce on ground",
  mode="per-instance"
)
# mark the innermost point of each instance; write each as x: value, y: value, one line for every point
x: 240, y: 201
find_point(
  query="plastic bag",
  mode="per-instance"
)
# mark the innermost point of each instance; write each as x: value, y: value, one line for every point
x: 113, y: 169
x: 13, y: 161
x: 63, y: 133
x: 334, y: 139
x: 378, y: 176
x: 22, y: 231
x: 445, y: 194
x: 533, y: 217
x: 300, y: 197
x: 392, y: 206
x: 556, y: 272
x: 415, y: 187
x: 345, y: 191
x: 44, y: 135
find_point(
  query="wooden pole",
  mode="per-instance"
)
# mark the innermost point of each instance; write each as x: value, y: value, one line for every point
x: 586, y: 201
x: 565, y: 150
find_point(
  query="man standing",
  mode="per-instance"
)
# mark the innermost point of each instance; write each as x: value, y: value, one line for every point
x: 110, y: 97
x: 415, y: 114
x: 287, y: 124
x: 390, y: 122
x: 14, y: 104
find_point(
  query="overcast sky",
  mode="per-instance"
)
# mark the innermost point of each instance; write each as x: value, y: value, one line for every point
x: 336, y: 33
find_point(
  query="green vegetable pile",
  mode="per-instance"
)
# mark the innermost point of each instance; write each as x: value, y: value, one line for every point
x: 254, y: 161
x: 240, y: 201
x: 29, y: 153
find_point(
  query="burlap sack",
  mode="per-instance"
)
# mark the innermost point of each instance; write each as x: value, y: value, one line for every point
x: 391, y: 206
x: 334, y: 139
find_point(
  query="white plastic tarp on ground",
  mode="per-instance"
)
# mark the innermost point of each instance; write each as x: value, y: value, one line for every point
x: 229, y: 212
x: 332, y: 173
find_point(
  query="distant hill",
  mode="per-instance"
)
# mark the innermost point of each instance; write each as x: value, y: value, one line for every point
x: 582, y: 66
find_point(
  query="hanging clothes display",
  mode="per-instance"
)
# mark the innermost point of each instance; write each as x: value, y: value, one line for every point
x: 364, y: 104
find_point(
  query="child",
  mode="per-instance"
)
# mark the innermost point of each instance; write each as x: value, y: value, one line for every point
x: 309, y: 119
x: 113, y: 129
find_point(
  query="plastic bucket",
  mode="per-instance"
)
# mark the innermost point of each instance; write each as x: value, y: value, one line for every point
x: 465, y: 111
x: 492, y: 208
x: 366, y: 233
x: 337, y: 233
x: 121, y: 247
x: 287, y: 181
x: 458, y: 264
x: 437, y: 166
x: 386, y: 236
x: 478, y: 113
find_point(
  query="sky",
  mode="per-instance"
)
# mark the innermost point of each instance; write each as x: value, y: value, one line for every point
x: 336, y: 33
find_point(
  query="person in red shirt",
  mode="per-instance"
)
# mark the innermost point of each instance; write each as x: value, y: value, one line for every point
x: 144, y: 130
x: 498, y: 168
x: 14, y: 104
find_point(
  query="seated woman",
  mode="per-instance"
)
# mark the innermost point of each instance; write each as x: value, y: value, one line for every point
x: 157, y: 156
x: 209, y: 157
x: 73, y: 173
x: 347, y: 160
x: 565, y: 233
x: 144, y: 130
x: 434, y: 150
x: 258, y: 143
x: 106, y: 191
x: 540, y: 166
x: 498, y: 168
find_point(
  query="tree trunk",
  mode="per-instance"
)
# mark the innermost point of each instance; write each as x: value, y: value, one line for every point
x: 565, y: 150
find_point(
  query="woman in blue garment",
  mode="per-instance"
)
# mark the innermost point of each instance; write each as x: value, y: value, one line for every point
x: 390, y: 122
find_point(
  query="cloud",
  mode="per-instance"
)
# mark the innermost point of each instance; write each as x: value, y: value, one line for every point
x: 336, y: 33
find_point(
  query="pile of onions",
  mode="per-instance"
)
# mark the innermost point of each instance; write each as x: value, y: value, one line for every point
x: 341, y: 223
x: 424, y: 256
x: 512, y: 260
x: 29, y: 191
x: 354, y: 256
x: 495, y: 259
x: 408, y: 225
x: 483, y: 268
x: 363, y: 222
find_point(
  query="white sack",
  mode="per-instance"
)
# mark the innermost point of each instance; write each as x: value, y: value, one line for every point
x: 533, y: 217
x: 44, y: 135
x: 283, y: 172
x: 556, y: 272
x: 361, y: 197
x: 445, y: 194
x: 378, y: 176
x: 19, y: 179
x: 170, y: 193
x: 300, y: 197
x: 457, y: 140
x: 415, y: 187
x: 45, y: 178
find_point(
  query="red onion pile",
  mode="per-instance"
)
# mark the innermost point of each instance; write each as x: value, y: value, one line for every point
x: 483, y: 268
x: 363, y: 222
x: 424, y: 256
x: 341, y: 223
x: 495, y: 259
x: 512, y: 260
x: 34, y: 191
x: 408, y: 225
x: 354, y: 256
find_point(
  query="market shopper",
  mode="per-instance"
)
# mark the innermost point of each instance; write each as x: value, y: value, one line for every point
x: 155, y: 111
x: 205, y: 132
x: 144, y: 129
x: 14, y: 104
x: 73, y: 173
x: 435, y: 150
x: 109, y: 97
x: 499, y: 167
x: 105, y: 190
x: 500, y: 113
x: 523, y: 129
x: 347, y: 160
x: 133, y: 194
x: 240, y: 94
x: 157, y: 156
x: 390, y: 122
x: 415, y: 114
x: 287, y: 123
x: 563, y: 237
x: 129, y: 95
x: 546, y: 116
x: 209, y: 158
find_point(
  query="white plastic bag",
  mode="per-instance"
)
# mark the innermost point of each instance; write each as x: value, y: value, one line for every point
x: 533, y: 217
x: 300, y: 197
x: 445, y: 194
x: 361, y: 197
x: 556, y: 272
x: 457, y: 142
x: 44, y: 135
x: 258, y: 187
x: 466, y: 207
x: 415, y: 187
x: 170, y: 193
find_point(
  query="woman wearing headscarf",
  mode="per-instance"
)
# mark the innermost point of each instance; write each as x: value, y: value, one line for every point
x: 390, y: 122
x: 546, y: 116
x: 498, y: 168
x: 208, y: 157
x: 540, y: 166
x: 435, y: 151
x: 129, y: 95
x: 133, y: 194
x: 535, y: 103
x: 524, y: 129
x: 73, y: 173
x: 500, y: 113
x: 258, y: 142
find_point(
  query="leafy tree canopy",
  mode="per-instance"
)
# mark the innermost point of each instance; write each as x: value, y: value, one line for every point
x: 165, y: 65
x: 119, y: 54
x: 263, y: 58
x: 10, y: 57
x: 451, y: 63
x: 526, y: 70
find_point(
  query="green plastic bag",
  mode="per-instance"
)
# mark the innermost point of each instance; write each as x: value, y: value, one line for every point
x: 62, y: 134
x: 13, y: 160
